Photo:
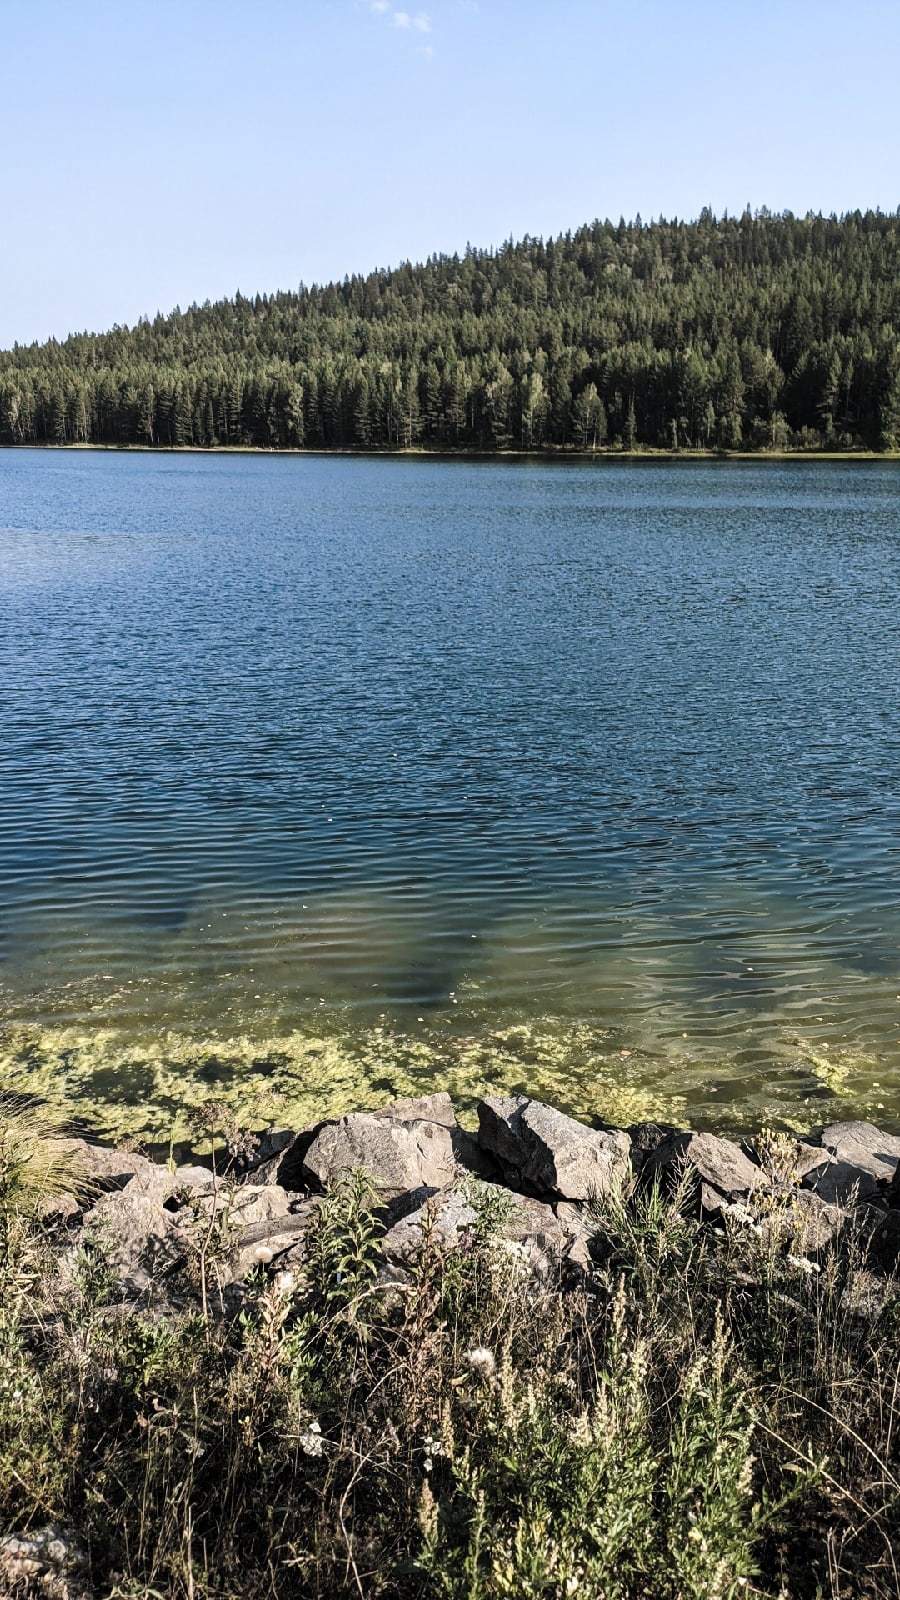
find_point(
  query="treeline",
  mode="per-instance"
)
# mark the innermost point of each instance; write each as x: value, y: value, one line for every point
x: 755, y: 332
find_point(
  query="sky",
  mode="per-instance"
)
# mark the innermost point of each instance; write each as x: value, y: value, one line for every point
x: 163, y: 153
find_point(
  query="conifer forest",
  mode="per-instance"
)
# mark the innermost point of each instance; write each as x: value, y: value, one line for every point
x: 758, y: 332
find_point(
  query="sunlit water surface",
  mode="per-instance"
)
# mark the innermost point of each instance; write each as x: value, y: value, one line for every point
x: 328, y: 779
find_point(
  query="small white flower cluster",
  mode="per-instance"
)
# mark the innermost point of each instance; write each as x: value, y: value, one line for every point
x: 432, y: 1448
x: 481, y: 1362
x: 311, y: 1441
x: 284, y: 1282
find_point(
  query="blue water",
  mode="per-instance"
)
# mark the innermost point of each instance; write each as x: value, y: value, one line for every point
x: 429, y: 744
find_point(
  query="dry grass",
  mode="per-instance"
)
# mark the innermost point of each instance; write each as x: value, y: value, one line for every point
x: 702, y: 1418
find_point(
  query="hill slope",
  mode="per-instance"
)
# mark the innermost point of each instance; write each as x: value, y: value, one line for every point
x: 753, y: 332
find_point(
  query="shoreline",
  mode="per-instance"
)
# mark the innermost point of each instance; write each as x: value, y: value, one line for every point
x: 551, y: 456
x: 441, y: 1352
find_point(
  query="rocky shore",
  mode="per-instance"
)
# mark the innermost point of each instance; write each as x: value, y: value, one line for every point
x: 422, y: 1163
x: 231, y: 1239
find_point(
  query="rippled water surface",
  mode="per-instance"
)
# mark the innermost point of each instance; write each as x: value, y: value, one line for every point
x: 327, y: 778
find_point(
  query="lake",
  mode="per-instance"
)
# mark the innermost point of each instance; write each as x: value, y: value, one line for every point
x: 324, y: 779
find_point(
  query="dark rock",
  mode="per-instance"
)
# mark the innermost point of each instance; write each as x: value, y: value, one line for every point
x: 880, y: 1233
x: 862, y: 1161
x: 646, y: 1137
x: 551, y: 1153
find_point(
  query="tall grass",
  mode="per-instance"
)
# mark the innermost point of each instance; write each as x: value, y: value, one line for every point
x: 703, y: 1416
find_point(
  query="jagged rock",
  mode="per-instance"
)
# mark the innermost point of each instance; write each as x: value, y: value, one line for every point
x: 247, y: 1204
x: 49, y: 1562
x: 140, y: 1239
x: 645, y: 1138
x: 537, y: 1230
x: 860, y: 1161
x: 399, y: 1152
x: 796, y: 1220
x: 279, y: 1241
x: 723, y: 1171
x: 865, y: 1295
x: 550, y: 1153
x: 361, y: 1140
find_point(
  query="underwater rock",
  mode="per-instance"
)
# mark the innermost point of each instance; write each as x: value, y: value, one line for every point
x: 550, y: 1153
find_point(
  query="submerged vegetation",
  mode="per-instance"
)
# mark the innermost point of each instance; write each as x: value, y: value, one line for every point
x: 700, y: 1414
x: 757, y: 332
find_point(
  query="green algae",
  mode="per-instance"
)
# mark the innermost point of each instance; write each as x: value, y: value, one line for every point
x: 145, y: 1083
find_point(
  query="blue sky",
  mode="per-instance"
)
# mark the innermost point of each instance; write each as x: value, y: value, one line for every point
x: 160, y: 153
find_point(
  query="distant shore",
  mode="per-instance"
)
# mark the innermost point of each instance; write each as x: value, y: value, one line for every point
x: 580, y: 457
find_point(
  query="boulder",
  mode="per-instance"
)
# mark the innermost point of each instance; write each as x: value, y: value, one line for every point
x: 141, y: 1241
x: 724, y: 1173
x: 46, y: 1561
x: 280, y: 1241
x: 859, y: 1160
x: 538, y: 1231
x: 398, y: 1155
x: 548, y: 1153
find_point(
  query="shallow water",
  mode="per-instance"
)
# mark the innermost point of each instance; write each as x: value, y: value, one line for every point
x: 323, y: 779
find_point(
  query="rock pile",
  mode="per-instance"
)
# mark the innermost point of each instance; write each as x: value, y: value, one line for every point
x: 154, y: 1222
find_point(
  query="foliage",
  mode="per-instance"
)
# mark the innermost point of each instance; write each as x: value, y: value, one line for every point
x: 754, y: 332
x: 698, y: 1417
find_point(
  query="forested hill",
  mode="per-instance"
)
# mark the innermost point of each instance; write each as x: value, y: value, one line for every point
x: 757, y: 332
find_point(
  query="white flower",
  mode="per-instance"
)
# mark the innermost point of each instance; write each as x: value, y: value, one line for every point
x: 263, y: 1255
x: 481, y: 1361
x: 284, y: 1282
x: 310, y: 1441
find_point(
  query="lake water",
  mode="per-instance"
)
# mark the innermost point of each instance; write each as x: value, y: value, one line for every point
x: 326, y: 779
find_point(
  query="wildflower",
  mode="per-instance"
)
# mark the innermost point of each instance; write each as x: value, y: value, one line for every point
x: 432, y: 1448
x: 481, y: 1362
x: 262, y: 1255
x: 284, y: 1282
x: 310, y: 1441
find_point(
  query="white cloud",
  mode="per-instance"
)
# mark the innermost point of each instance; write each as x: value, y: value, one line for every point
x: 380, y: 7
x: 421, y: 23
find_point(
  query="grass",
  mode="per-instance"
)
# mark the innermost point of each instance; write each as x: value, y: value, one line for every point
x: 704, y: 1416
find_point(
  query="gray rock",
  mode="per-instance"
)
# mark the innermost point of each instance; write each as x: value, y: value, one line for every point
x: 801, y: 1222
x: 247, y: 1204
x: 48, y: 1562
x: 397, y: 1155
x: 279, y: 1242
x: 551, y: 1153
x: 861, y: 1161
x: 141, y: 1240
x: 538, y: 1232
x: 437, y: 1108
x: 724, y: 1172
x: 865, y: 1295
